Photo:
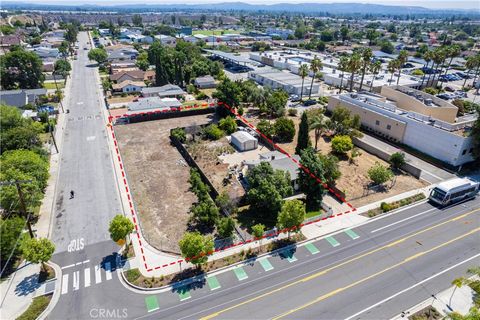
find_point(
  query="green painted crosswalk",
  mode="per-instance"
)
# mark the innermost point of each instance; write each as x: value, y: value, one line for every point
x: 267, y: 266
x: 213, y: 283
x: 240, y: 273
x: 152, y: 303
x: 184, y: 293
x: 311, y: 247
x: 332, y: 241
x: 352, y: 234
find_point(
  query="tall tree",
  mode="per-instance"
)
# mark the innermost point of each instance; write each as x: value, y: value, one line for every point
x: 353, y: 66
x: 427, y: 56
x: 303, y: 72
x: 342, y: 66
x: 120, y: 227
x: 375, y: 69
x: 310, y: 186
x: 315, y: 66
x: 366, y: 61
x: 37, y: 250
x: 303, y: 140
x: 319, y: 123
x: 452, y: 52
x: 99, y: 55
x: 137, y: 20
x: 402, y: 59
x: 21, y: 69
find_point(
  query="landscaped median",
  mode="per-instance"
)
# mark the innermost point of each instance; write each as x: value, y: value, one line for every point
x: 389, y: 206
x: 136, y: 279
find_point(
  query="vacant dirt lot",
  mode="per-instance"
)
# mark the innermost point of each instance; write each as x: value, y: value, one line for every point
x: 158, y: 178
x: 354, y: 179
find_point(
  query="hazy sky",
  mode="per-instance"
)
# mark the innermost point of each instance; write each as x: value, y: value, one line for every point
x: 435, y: 4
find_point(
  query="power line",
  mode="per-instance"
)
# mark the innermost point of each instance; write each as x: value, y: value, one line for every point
x: 15, y: 247
x: 23, y: 208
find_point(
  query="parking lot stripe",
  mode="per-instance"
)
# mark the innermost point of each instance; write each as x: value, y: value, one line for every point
x: 151, y: 303
x: 108, y: 271
x: 311, y: 247
x: 352, y: 234
x: 332, y: 241
x: 98, y: 274
x: 240, y: 273
x: 267, y: 266
x: 213, y: 283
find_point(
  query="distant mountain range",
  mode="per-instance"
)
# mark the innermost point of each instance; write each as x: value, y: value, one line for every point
x: 312, y: 8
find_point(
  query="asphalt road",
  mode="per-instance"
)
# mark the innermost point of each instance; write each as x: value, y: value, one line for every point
x: 403, y: 259
x: 80, y: 225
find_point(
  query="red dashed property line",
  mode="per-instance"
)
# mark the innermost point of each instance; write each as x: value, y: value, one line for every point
x: 305, y: 169
x: 271, y: 235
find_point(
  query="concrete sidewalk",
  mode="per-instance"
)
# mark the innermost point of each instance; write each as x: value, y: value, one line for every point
x: 18, y: 290
x: 452, y: 299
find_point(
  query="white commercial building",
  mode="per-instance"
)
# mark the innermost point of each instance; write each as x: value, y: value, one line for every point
x: 287, y: 81
x: 413, y: 118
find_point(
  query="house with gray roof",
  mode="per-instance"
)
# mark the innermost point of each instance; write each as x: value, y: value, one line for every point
x: 153, y: 104
x: 168, y: 90
x: 21, y: 97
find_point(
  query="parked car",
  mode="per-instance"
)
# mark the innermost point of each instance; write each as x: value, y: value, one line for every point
x: 309, y: 102
x: 445, y: 96
x: 449, y: 89
x: 294, y: 98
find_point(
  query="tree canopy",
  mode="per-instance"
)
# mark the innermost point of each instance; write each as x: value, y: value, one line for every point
x: 196, y: 248
x: 120, y: 227
x: 291, y: 215
x: 99, y: 55
x: 310, y: 186
x: 37, y: 250
x: 21, y: 69
x: 303, y: 141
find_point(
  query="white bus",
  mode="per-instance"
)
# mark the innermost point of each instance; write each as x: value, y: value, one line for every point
x: 454, y: 190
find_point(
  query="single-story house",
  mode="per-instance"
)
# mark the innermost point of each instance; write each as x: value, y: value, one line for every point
x: 10, y: 40
x: 19, y: 98
x: 135, y: 75
x: 122, y: 54
x: 128, y: 86
x: 48, y: 66
x: 205, y: 82
x: 244, y: 141
x: 167, y: 40
x: 168, y: 90
x: 44, y: 52
x: 153, y: 103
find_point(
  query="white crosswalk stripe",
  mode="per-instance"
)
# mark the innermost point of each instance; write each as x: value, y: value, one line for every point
x: 98, y: 274
x: 77, y: 279
x: 87, y: 277
x: 64, y: 283
x: 108, y: 270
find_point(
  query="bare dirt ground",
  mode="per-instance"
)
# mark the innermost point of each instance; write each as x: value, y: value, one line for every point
x: 206, y: 153
x: 354, y: 179
x: 158, y: 178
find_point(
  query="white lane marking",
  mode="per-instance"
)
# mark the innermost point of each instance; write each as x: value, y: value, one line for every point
x: 87, y: 277
x: 69, y: 266
x: 86, y: 261
x: 98, y: 274
x: 76, y: 280
x: 108, y: 270
x: 411, y: 287
x: 400, y: 221
x: 79, y: 103
x: 90, y: 138
x: 64, y: 283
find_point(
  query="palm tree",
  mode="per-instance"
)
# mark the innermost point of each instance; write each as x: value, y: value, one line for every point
x: 315, y: 65
x: 303, y: 72
x: 402, y: 59
x: 342, y: 66
x: 366, y: 61
x: 427, y: 56
x: 375, y: 69
x: 319, y: 123
x: 439, y: 56
x: 473, y: 62
x: 353, y: 66
x: 451, y: 52
x: 391, y: 67
x: 457, y: 283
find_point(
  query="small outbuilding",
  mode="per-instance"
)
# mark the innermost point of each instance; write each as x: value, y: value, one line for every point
x: 244, y: 141
x: 205, y: 82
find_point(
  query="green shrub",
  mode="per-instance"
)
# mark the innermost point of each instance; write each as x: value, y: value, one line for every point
x: 213, y: 132
x: 292, y: 112
x: 379, y: 174
x: 201, y: 96
x: 228, y: 124
x: 385, y: 207
x: 397, y: 159
x: 284, y: 129
x: 132, y: 275
x: 180, y: 134
x: 431, y: 90
x: 342, y: 144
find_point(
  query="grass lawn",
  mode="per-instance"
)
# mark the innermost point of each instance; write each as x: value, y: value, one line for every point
x: 51, y: 85
x: 216, y: 32
x: 313, y: 214
x: 39, y: 304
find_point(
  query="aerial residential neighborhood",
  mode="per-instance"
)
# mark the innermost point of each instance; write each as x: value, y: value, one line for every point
x: 240, y: 160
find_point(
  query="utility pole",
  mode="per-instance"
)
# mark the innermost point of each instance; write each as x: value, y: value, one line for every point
x: 53, y: 136
x: 23, y: 207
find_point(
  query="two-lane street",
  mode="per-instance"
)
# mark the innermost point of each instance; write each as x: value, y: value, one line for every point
x: 84, y: 250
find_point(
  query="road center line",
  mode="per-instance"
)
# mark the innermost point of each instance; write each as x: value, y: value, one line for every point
x: 374, y: 275
x: 403, y: 220
x: 320, y: 273
x: 412, y: 287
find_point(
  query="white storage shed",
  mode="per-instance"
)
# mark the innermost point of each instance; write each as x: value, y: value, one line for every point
x: 244, y: 141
